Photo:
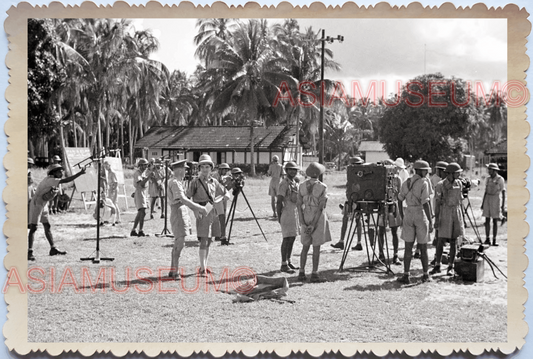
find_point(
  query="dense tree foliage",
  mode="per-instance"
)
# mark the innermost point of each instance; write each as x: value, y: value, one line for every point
x: 92, y: 82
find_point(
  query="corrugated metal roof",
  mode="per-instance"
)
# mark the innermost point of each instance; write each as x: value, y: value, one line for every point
x: 215, y: 137
x: 372, y: 146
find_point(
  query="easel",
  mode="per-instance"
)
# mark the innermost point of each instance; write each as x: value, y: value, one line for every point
x: 370, y: 234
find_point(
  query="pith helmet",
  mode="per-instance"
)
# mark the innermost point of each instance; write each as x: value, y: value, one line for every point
x: 453, y: 167
x: 315, y: 169
x: 56, y: 158
x: 30, y: 161
x: 291, y: 165
x: 421, y: 165
x: 275, y: 158
x: 399, y: 162
x: 53, y: 168
x: 142, y: 161
x: 178, y: 164
x: 236, y: 170
x: 442, y: 165
x: 356, y: 160
x: 493, y: 166
x: 224, y: 166
x: 206, y: 160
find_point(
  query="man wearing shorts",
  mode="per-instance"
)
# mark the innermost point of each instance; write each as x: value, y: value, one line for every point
x: 203, y: 190
x: 417, y: 222
x: 140, y: 179
x: 46, y: 191
x: 288, y: 214
x: 493, y: 205
x: 275, y: 170
x: 112, y: 190
x: 179, y: 214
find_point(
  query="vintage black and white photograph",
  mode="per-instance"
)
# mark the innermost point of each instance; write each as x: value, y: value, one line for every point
x: 280, y: 180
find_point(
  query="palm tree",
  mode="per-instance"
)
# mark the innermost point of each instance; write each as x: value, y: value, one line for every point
x: 207, y: 30
x: 249, y: 75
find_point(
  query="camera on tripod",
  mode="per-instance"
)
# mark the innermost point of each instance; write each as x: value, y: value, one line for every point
x: 370, y: 182
x: 467, y: 185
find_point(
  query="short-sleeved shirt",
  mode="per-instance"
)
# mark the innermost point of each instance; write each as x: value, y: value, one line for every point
x: 275, y: 170
x: 197, y: 192
x: 494, y: 186
x: 44, y: 187
x: 415, y: 191
x: 175, y: 192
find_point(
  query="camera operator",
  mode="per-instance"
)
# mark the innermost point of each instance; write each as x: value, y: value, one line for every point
x: 394, y: 218
x: 156, y: 186
x: 347, y: 211
x: 492, y: 205
x: 224, y: 178
x: 140, y: 179
x: 448, y: 214
x: 417, y: 223
x: 288, y: 214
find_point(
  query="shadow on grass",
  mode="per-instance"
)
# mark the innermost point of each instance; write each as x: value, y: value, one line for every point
x: 188, y: 244
x: 78, y: 225
x: 118, y: 236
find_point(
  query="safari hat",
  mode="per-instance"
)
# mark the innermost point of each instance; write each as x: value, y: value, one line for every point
x: 291, y: 165
x: 223, y: 166
x: 206, y: 160
x: 399, y: 162
x: 421, y: 165
x: 453, y: 167
x: 275, y: 158
x: 142, y: 161
x: 30, y: 161
x: 53, y: 168
x: 315, y: 169
x: 493, y: 166
x: 442, y: 165
x: 236, y: 170
x: 56, y: 158
x: 356, y: 160
x: 180, y: 163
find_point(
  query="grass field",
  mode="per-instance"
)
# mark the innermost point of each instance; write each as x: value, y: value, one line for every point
x: 345, y: 307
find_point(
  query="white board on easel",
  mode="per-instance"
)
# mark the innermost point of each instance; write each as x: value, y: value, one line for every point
x: 116, y: 165
x: 77, y: 158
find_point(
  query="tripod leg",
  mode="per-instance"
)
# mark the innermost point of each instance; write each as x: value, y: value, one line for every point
x: 234, y: 204
x: 253, y: 214
x: 348, y: 241
x: 230, y: 211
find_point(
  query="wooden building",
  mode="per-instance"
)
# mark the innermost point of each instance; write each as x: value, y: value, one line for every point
x: 230, y: 144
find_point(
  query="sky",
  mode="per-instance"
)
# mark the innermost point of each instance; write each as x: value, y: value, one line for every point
x: 386, y: 50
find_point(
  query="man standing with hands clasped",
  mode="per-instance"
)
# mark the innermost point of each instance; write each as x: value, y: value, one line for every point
x: 448, y: 214
x: 417, y: 222
x: 288, y: 214
x: 312, y: 198
x: 140, y: 179
x: 492, y: 206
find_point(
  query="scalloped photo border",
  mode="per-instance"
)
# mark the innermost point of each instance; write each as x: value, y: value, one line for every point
x: 15, y: 227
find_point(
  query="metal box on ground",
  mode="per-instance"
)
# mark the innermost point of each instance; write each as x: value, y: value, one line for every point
x: 470, y: 271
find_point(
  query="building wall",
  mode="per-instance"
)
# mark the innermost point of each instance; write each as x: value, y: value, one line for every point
x: 376, y: 156
x: 223, y: 156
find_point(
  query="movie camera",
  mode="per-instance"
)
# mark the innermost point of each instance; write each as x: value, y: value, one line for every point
x: 467, y: 185
x: 370, y: 182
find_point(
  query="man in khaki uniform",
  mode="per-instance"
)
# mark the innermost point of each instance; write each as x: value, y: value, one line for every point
x: 417, y: 222
x: 493, y: 205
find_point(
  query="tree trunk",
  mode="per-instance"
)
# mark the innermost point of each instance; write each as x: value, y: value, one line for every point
x: 121, y: 137
x: 131, y: 140
x: 252, y: 152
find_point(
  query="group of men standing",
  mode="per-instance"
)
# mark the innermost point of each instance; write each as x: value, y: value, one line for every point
x: 423, y: 205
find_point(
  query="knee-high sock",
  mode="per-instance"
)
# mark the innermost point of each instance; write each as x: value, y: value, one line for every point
x: 424, y: 257
x: 408, y: 254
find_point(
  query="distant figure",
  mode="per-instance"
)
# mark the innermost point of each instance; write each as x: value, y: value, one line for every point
x: 140, y: 179
x: 112, y: 190
x: 156, y: 187
x: 402, y: 172
x: 275, y: 170
x: 493, y: 205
